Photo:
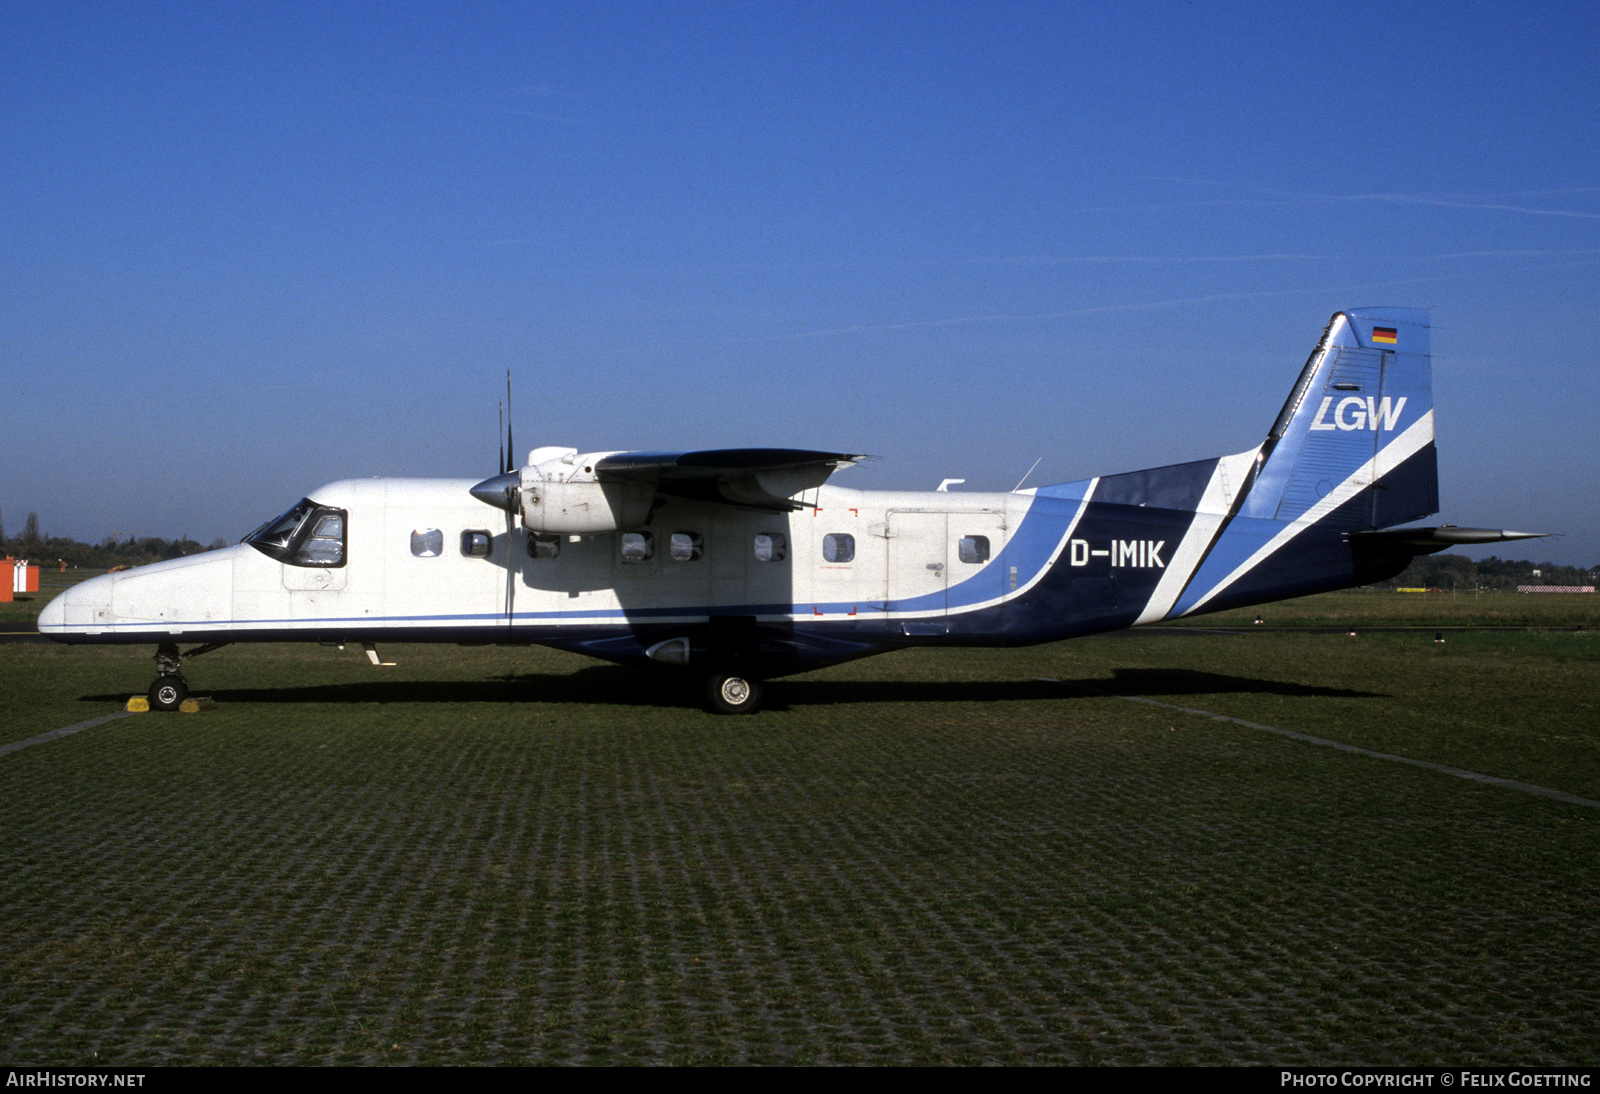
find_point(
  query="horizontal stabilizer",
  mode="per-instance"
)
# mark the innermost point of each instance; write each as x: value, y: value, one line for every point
x: 1424, y: 541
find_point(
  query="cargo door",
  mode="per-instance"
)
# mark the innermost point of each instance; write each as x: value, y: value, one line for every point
x: 918, y: 568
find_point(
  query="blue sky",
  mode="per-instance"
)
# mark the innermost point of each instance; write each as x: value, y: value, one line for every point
x: 251, y: 248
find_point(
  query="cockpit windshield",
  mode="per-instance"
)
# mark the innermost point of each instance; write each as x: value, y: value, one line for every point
x: 307, y: 535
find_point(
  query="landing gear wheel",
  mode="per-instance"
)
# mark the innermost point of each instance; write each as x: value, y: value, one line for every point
x: 168, y: 692
x: 730, y: 693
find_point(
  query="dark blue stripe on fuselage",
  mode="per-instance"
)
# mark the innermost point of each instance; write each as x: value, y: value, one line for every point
x: 1178, y: 486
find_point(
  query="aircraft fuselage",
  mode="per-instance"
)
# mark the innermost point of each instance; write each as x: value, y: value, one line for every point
x: 854, y: 573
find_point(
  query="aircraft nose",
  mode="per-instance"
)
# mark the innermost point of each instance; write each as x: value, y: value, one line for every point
x: 84, y: 607
x: 54, y: 616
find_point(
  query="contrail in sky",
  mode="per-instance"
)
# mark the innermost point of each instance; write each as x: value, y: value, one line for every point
x: 1156, y: 304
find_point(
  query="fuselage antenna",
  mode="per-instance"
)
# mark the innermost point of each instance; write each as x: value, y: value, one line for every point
x: 1024, y: 478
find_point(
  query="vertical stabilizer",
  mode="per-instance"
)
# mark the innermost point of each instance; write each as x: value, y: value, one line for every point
x: 1352, y: 450
x: 1353, y: 446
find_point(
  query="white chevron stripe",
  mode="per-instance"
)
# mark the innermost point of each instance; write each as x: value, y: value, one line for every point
x: 1213, y: 509
x: 1396, y: 452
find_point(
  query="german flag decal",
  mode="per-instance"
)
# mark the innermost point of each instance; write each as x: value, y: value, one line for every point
x: 1386, y: 335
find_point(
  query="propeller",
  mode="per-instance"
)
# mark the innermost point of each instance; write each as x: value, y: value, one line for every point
x: 503, y: 490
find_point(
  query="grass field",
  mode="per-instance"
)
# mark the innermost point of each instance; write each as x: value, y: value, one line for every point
x: 516, y: 856
x: 1385, y: 608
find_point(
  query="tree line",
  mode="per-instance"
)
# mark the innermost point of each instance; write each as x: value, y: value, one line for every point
x: 1460, y: 572
x: 51, y: 551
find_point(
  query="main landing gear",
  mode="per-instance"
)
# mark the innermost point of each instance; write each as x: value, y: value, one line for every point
x: 170, y: 689
x: 733, y: 643
x: 731, y: 693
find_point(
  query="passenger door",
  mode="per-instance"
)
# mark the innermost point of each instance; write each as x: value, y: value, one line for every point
x: 918, y: 563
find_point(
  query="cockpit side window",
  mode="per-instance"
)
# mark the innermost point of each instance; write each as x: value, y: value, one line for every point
x: 325, y: 545
x: 308, y: 535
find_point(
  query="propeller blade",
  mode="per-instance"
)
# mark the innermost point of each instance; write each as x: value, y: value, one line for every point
x: 511, y: 449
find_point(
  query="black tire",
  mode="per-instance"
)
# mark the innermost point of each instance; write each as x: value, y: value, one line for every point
x: 168, y: 692
x: 730, y: 693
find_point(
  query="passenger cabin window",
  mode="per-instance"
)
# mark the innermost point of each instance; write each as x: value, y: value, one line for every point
x: 636, y: 546
x: 307, y: 535
x: 838, y: 547
x: 974, y: 549
x: 427, y: 542
x: 771, y: 547
x: 476, y: 544
x: 685, y: 546
x: 543, y: 545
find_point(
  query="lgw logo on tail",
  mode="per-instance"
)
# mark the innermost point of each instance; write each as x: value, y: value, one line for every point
x: 1354, y: 412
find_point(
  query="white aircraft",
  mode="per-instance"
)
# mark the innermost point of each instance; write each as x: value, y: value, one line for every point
x: 740, y: 565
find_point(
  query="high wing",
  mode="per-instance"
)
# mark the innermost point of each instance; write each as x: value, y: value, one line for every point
x: 563, y: 492
x: 756, y: 478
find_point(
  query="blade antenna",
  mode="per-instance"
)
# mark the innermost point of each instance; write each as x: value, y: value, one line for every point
x: 1024, y: 478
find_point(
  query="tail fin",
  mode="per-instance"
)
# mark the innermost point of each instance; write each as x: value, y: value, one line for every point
x: 1352, y: 450
x: 1353, y: 446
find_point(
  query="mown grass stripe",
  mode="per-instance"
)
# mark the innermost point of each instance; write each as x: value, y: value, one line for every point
x: 55, y: 733
x: 1460, y: 773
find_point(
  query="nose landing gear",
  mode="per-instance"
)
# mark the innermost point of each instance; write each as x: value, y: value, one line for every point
x: 170, y: 689
x: 168, y: 692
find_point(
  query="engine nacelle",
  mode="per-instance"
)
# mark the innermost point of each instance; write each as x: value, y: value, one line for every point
x: 579, y: 506
x: 584, y: 508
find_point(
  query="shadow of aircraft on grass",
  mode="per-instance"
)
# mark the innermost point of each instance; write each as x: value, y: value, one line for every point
x: 609, y: 685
